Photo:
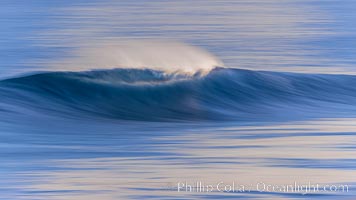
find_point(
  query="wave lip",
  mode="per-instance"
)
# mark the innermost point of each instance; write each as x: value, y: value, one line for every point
x: 153, y: 95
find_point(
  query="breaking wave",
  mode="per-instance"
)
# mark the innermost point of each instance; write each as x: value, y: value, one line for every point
x: 151, y: 95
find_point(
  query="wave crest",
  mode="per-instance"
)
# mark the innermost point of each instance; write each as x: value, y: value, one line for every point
x: 151, y: 95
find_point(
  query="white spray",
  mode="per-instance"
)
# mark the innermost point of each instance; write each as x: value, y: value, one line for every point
x: 168, y: 56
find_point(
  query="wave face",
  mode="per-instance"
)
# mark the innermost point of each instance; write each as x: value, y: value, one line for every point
x: 150, y: 95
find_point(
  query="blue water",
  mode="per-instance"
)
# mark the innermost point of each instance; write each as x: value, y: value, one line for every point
x: 148, y: 95
x: 177, y: 99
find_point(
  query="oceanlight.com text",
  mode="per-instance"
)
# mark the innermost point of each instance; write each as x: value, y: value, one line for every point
x: 295, y: 187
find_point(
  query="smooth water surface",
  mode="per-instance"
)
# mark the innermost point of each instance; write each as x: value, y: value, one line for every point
x: 211, y: 110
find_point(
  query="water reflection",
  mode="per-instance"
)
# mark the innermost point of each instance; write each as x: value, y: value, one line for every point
x: 269, y: 35
x: 44, y: 157
x: 132, y: 163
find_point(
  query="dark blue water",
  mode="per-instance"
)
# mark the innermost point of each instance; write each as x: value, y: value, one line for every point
x: 148, y: 95
x: 177, y: 100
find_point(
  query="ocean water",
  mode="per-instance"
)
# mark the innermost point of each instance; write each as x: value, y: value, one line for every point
x: 177, y: 99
